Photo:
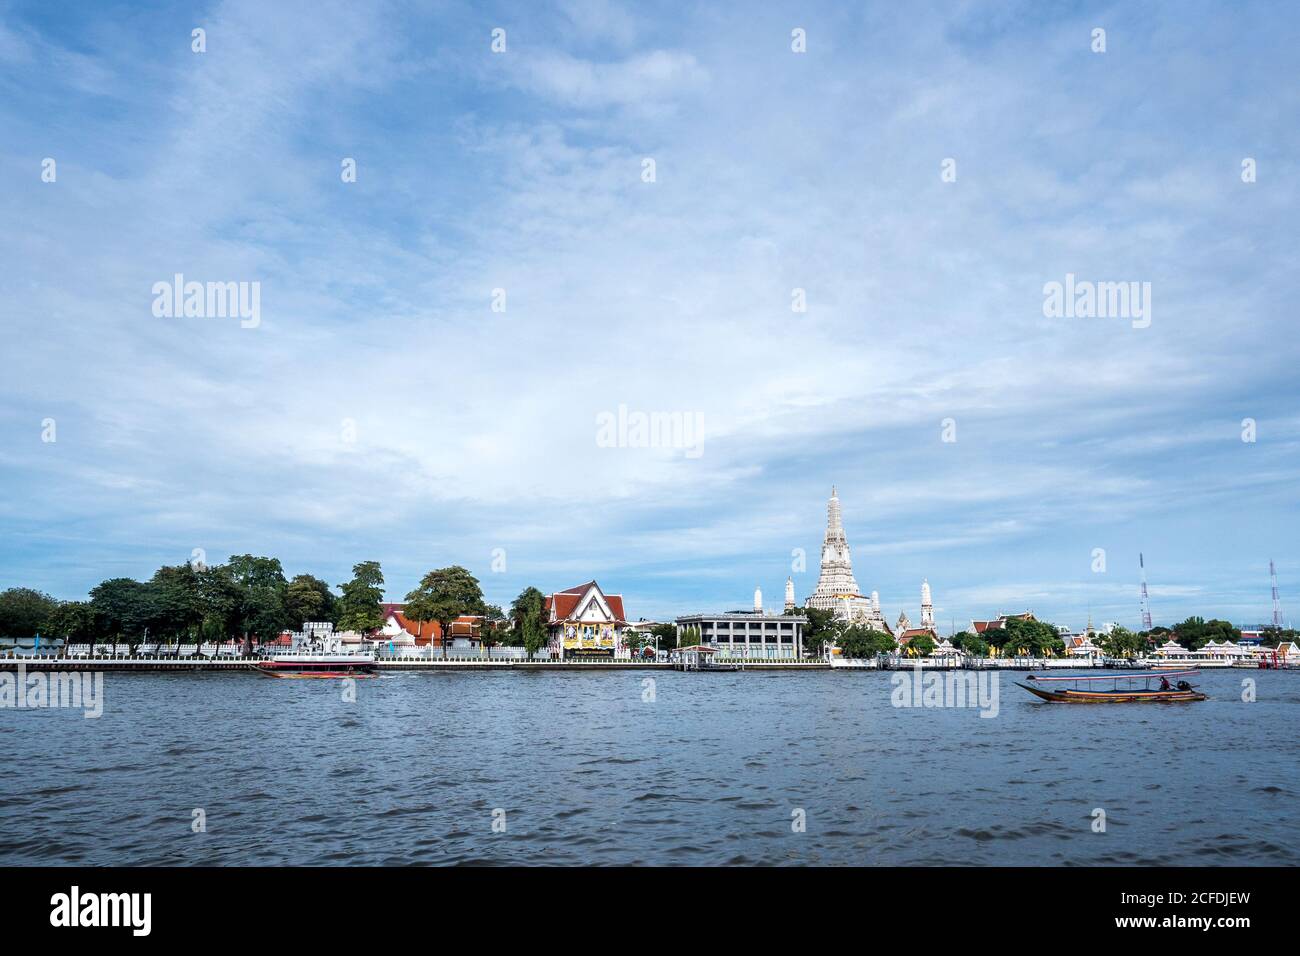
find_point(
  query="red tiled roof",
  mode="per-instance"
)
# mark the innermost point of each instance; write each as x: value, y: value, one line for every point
x: 1001, y: 622
x: 566, y: 602
x: 430, y: 632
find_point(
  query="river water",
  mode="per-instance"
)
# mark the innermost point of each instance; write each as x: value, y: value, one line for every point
x: 602, y: 768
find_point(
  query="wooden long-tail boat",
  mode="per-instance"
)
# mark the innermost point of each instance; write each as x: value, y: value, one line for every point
x: 1093, y: 693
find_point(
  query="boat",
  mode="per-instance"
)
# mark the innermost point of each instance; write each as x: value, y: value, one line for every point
x: 1093, y: 692
x: 325, y: 658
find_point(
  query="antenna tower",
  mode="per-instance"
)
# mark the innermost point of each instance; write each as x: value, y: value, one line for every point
x: 1277, y: 604
x: 1146, y: 601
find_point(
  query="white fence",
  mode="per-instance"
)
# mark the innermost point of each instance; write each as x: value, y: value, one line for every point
x: 399, y: 653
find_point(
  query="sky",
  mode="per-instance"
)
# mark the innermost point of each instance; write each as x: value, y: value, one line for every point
x: 615, y: 211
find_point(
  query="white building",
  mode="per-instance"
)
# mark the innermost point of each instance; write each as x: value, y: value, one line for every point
x: 750, y: 634
x: 585, y: 623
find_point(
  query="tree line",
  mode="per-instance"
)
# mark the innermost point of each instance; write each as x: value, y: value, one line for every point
x: 249, y: 597
x: 1022, y: 636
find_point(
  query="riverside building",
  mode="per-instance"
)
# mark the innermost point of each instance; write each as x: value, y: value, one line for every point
x: 750, y: 634
x: 585, y: 623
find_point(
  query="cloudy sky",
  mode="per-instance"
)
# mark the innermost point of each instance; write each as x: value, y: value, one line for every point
x: 382, y: 409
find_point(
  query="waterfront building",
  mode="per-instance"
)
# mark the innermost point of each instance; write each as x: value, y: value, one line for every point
x: 904, y: 632
x: 402, y: 633
x: 1000, y: 622
x: 749, y: 634
x: 837, y: 588
x: 789, y: 595
x: 1224, y: 651
x: 585, y: 623
x: 1171, y: 648
x: 944, y: 650
x: 1081, y: 645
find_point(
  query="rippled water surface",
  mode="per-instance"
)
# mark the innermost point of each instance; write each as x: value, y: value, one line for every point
x: 589, y: 773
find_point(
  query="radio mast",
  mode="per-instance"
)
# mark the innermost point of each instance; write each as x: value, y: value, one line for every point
x: 1277, y: 604
x: 1146, y: 600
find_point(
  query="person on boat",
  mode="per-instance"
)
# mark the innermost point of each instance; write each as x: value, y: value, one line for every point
x: 1164, y: 684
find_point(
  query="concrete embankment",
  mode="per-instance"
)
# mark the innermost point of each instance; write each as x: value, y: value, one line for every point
x: 247, y: 664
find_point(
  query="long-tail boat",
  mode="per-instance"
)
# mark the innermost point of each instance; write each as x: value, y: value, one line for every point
x: 1094, y: 692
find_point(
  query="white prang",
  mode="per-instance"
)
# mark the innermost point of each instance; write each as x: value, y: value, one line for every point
x: 837, y: 589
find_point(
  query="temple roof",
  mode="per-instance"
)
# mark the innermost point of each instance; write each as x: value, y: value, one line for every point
x: 566, y: 602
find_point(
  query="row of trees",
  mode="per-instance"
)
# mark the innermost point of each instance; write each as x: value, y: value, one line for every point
x: 250, y: 597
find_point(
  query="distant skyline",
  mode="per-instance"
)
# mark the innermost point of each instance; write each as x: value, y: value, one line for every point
x: 385, y: 408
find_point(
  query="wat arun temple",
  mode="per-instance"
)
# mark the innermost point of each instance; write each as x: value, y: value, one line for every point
x: 837, y: 589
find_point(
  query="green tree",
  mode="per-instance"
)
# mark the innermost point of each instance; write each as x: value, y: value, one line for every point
x: 666, y: 635
x: 492, y: 630
x: 359, y: 607
x: 1121, y: 642
x: 863, y: 641
x: 970, y: 644
x: 122, y: 607
x: 922, y: 645
x: 444, y: 595
x: 74, y: 621
x: 996, y: 637
x: 220, y: 601
x: 174, y: 602
x: 529, y: 623
x: 634, y: 641
x: 1035, y: 638
x: 819, y: 630
x: 858, y: 642
x: 262, y: 588
x: 25, y: 612
x: 1273, y: 636
x: 1195, y: 632
x: 308, y: 598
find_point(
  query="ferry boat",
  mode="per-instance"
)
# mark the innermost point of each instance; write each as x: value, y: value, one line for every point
x: 1093, y: 692
x: 318, y: 658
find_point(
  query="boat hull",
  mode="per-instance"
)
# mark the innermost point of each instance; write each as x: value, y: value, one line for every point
x: 321, y: 668
x: 1115, y: 697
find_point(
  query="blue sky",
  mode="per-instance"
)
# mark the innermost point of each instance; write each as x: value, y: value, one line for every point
x: 475, y: 430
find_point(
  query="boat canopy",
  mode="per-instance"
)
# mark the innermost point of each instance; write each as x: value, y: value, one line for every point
x: 1138, y: 676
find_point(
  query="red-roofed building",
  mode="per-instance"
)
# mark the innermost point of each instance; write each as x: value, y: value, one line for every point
x: 905, y: 637
x: 401, y: 631
x: 1000, y: 622
x: 585, y: 622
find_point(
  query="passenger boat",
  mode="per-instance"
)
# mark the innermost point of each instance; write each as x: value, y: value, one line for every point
x: 317, y: 659
x: 1094, y: 692
x: 316, y: 665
